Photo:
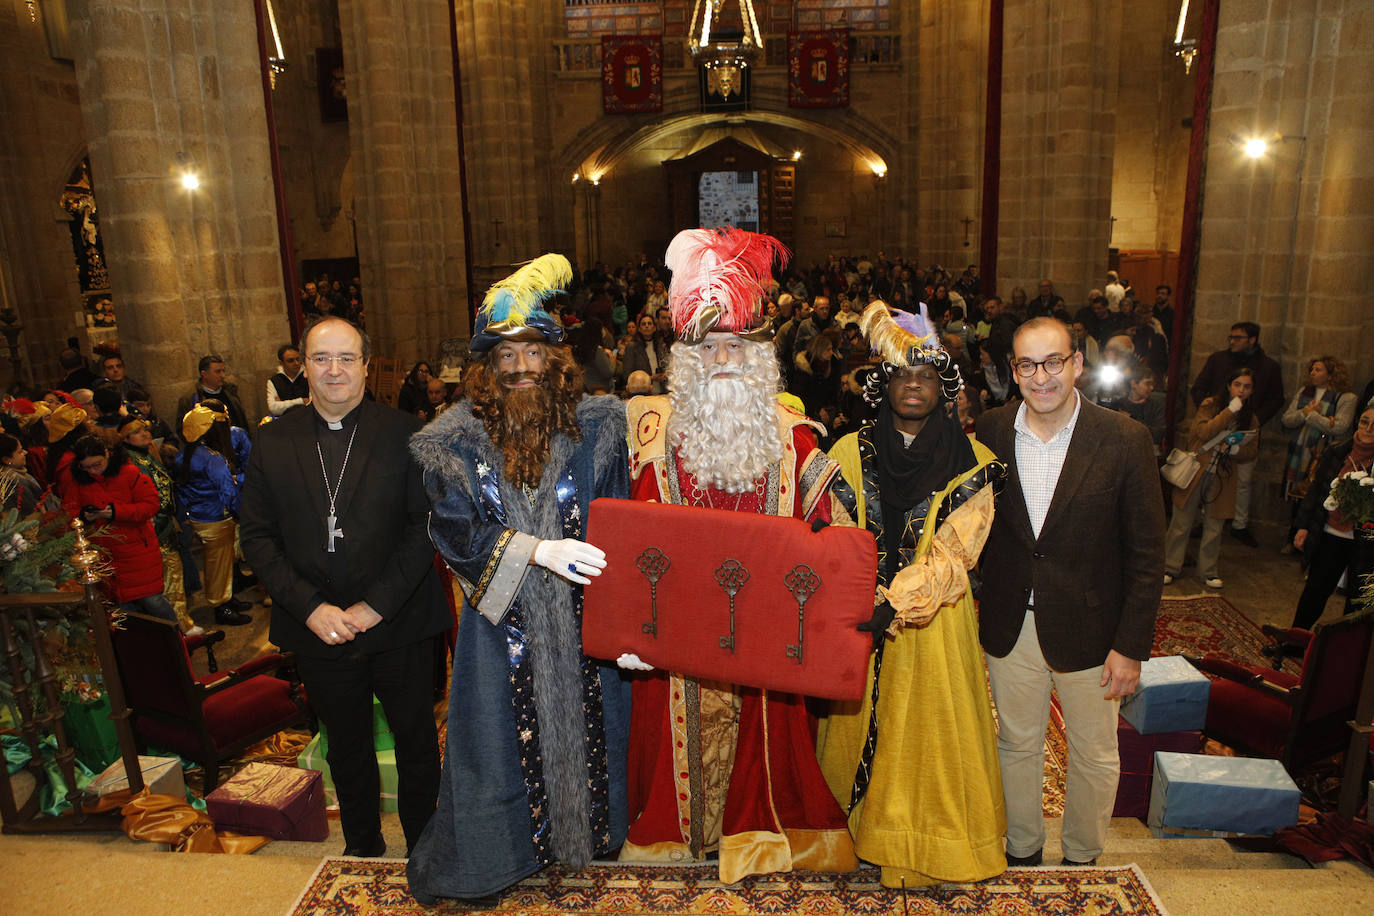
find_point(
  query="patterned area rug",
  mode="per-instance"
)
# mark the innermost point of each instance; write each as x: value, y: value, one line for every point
x: 344, y: 887
x: 1210, y: 623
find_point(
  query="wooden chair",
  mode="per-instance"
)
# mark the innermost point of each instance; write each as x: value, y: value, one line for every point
x: 384, y: 377
x: 208, y: 718
x: 1299, y: 719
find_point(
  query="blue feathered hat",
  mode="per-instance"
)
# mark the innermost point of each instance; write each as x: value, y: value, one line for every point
x: 513, y: 308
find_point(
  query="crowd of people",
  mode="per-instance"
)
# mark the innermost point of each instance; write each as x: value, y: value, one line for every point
x: 1007, y: 444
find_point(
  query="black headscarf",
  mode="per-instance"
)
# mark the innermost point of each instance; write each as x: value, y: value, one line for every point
x: 909, y: 474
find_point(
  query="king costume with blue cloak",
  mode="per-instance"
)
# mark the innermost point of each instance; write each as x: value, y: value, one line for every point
x: 534, y: 769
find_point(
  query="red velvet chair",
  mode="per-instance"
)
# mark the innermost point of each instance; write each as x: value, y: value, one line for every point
x: 207, y: 718
x: 1298, y: 719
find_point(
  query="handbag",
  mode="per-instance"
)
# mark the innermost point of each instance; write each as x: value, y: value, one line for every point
x: 1298, y: 488
x: 1180, y: 467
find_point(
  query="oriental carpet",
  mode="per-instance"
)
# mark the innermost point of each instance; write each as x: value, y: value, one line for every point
x: 344, y: 887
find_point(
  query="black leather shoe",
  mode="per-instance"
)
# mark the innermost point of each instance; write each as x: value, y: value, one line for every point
x: 1244, y: 536
x: 1070, y: 863
x: 238, y: 604
x: 1029, y: 861
x: 225, y: 615
x: 368, y: 849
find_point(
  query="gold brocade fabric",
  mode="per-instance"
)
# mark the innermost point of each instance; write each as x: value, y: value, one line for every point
x: 720, y: 706
x: 923, y: 587
x: 283, y: 749
x: 168, y: 819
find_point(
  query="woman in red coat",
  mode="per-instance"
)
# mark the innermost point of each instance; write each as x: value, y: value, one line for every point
x: 118, y: 502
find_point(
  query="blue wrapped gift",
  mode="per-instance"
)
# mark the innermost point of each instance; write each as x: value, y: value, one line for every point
x: 1197, y: 792
x: 1172, y: 697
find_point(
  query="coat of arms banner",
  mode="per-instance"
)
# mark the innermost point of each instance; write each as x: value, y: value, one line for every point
x: 818, y: 69
x: 631, y: 74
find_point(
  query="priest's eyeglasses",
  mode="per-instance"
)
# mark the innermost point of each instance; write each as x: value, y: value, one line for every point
x: 1052, y: 365
x: 346, y: 361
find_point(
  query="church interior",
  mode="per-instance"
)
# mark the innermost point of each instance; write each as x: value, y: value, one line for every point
x: 173, y: 173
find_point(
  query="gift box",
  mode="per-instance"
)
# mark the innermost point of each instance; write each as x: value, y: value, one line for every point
x: 161, y: 775
x: 382, y: 739
x: 1171, y: 697
x: 748, y: 599
x: 1244, y: 795
x: 90, y: 731
x: 263, y: 799
x: 1137, y: 753
x: 312, y: 758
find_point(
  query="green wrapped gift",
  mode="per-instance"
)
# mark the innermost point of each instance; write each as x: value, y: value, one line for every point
x: 382, y: 739
x: 312, y: 758
x: 90, y: 731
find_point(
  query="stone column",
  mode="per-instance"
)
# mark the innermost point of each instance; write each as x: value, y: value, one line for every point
x: 402, y: 125
x: 953, y: 76
x: 1059, y: 94
x: 505, y: 49
x: 198, y: 271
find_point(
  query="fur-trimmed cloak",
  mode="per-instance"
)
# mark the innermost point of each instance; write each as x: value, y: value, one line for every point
x: 534, y: 770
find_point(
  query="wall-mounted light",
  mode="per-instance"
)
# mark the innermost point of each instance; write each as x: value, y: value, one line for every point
x: 796, y: 155
x: 879, y: 169
x: 577, y: 176
x: 185, y: 171
x: 1260, y: 145
x: 596, y: 181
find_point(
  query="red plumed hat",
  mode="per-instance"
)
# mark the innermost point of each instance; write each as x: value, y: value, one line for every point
x: 720, y: 277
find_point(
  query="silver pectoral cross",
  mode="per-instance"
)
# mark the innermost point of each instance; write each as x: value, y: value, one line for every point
x: 334, y: 532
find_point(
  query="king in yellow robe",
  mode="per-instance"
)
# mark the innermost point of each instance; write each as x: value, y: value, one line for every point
x: 915, y: 761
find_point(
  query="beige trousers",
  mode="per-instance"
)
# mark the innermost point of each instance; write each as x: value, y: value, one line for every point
x: 218, y: 538
x: 1021, y: 685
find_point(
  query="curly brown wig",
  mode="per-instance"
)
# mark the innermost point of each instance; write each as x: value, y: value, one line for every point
x: 523, y: 421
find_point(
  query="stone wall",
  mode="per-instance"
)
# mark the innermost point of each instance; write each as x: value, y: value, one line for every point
x: 1288, y: 239
x: 42, y: 141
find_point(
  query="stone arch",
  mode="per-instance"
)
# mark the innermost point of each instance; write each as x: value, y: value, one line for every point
x: 596, y: 149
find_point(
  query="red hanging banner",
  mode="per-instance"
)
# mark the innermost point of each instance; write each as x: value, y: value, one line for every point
x: 631, y: 74
x: 818, y: 69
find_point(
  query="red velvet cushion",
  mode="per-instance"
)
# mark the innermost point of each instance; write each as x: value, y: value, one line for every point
x: 231, y: 715
x: 694, y: 611
x: 1238, y: 715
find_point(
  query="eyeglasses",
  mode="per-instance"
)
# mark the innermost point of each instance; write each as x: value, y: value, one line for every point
x: 345, y: 362
x: 1237, y: 336
x: 1053, y: 365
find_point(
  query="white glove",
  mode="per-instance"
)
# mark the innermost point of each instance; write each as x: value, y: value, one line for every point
x: 633, y: 662
x: 570, y: 558
x: 1235, y: 405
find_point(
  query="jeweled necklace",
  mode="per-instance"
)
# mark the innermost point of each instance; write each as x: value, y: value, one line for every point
x: 334, y: 532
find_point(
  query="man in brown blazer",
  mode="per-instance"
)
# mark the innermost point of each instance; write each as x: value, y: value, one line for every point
x: 1072, y: 576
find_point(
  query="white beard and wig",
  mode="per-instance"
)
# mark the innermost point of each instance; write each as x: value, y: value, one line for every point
x: 725, y: 428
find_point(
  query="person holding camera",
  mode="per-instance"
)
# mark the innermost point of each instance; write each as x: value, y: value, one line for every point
x: 1219, y: 437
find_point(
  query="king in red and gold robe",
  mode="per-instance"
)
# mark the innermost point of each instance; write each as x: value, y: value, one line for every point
x: 716, y: 767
